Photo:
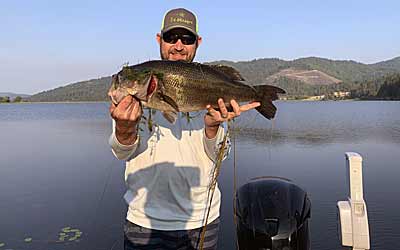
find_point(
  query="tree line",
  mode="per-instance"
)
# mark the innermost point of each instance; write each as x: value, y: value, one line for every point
x: 7, y: 99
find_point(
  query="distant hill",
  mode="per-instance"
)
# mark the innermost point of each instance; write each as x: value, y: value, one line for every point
x: 311, y: 77
x: 301, y: 77
x: 393, y: 64
x: 91, y: 90
x: 346, y: 71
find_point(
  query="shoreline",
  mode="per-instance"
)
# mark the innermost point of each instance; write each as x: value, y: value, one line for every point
x: 60, y: 102
x: 292, y: 100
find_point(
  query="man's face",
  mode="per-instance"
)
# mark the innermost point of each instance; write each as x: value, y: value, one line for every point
x: 177, y: 44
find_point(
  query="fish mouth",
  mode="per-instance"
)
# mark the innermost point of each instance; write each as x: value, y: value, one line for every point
x: 146, y: 91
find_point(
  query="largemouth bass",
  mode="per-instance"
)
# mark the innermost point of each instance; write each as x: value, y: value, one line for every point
x: 177, y: 86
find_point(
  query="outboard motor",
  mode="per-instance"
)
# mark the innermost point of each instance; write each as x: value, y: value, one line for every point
x: 272, y: 214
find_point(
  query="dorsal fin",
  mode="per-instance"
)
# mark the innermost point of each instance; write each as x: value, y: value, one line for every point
x: 230, y: 72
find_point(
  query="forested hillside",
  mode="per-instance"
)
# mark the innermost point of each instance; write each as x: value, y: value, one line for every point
x: 390, y: 88
x: 92, y: 90
x: 363, y: 80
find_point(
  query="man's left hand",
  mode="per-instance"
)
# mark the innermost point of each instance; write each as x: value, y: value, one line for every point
x: 214, y: 118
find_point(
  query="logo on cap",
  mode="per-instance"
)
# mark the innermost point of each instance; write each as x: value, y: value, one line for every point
x: 179, y: 18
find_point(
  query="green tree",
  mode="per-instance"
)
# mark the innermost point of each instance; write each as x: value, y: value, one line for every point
x: 17, y: 99
x: 5, y: 99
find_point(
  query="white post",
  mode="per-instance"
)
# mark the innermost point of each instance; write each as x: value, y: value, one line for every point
x: 353, y: 213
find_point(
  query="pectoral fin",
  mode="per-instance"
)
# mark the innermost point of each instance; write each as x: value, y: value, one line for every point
x: 171, y: 102
x: 171, y: 116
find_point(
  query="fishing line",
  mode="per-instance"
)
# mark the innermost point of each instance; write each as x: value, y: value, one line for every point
x: 220, y: 156
x: 248, y: 123
x: 234, y: 181
x: 270, y: 138
x: 113, y: 245
x: 92, y: 223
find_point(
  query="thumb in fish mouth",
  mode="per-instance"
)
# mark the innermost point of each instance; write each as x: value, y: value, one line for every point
x: 116, y: 95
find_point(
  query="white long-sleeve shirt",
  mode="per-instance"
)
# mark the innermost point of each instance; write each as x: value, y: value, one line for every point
x: 168, y: 173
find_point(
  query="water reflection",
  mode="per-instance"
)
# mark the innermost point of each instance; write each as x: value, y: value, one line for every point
x: 316, y: 136
x: 55, y: 161
x: 318, y: 123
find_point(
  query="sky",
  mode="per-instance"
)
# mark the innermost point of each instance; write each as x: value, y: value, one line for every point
x: 48, y: 44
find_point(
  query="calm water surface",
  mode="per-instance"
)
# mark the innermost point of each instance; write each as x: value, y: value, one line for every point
x: 57, y: 170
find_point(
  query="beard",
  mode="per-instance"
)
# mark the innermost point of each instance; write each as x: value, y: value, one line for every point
x: 166, y: 54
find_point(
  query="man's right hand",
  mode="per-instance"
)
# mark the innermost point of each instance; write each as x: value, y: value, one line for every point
x: 127, y: 115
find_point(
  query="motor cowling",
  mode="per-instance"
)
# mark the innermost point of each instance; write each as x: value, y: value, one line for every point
x: 272, y: 214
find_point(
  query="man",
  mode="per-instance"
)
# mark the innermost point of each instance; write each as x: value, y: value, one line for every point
x: 168, y: 169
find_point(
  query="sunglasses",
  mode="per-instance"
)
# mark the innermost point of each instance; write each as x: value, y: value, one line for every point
x: 172, y: 38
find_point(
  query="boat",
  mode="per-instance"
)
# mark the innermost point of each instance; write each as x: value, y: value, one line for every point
x: 273, y: 213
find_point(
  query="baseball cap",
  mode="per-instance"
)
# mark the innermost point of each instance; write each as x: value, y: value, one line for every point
x: 180, y: 18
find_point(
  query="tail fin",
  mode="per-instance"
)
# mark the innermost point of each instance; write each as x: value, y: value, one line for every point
x: 267, y: 94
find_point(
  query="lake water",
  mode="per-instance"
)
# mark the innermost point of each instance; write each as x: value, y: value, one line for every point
x: 57, y: 171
